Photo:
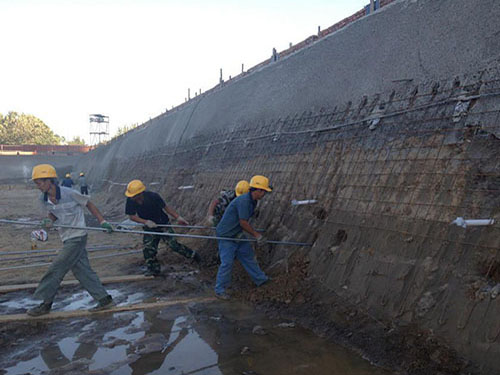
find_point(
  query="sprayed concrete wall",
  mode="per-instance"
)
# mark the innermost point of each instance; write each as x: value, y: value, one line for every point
x: 392, y: 125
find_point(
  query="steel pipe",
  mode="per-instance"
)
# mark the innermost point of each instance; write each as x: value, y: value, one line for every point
x: 291, y: 243
x: 122, y: 224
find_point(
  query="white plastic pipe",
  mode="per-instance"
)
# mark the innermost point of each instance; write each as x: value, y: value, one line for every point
x: 461, y: 222
x: 307, y: 201
x: 186, y: 187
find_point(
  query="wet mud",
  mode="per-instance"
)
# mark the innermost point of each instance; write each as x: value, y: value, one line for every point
x: 197, y: 338
x: 287, y: 326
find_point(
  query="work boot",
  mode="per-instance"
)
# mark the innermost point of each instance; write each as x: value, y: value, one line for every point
x: 41, y: 309
x: 196, y: 258
x: 223, y: 296
x: 103, y: 304
x: 149, y: 272
x: 267, y: 281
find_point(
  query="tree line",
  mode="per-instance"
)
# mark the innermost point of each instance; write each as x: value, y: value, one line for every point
x: 23, y: 129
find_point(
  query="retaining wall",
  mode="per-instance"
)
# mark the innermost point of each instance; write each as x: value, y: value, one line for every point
x: 392, y: 124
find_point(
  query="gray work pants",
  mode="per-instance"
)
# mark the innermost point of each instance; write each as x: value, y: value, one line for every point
x: 73, y: 256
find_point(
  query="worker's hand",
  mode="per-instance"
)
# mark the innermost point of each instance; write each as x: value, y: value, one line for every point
x: 211, y: 220
x: 261, y: 240
x: 181, y: 220
x: 150, y: 224
x: 46, y: 223
x: 107, y: 226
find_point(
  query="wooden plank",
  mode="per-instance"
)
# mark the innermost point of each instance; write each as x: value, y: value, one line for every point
x: 104, y: 280
x: 84, y: 313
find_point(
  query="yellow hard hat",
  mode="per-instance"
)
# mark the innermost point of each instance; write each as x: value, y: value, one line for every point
x: 68, y: 175
x: 242, y: 187
x: 260, y: 182
x: 81, y: 173
x: 43, y: 171
x: 134, y: 187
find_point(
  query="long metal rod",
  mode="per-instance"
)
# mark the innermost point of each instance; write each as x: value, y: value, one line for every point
x: 89, y: 248
x: 169, y: 226
x: 48, y: 263
x: 7, y: 259
x: 291, y: 243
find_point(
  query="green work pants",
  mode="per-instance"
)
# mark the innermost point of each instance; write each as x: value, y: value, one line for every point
x: 73, y: 256
x: 151, y: 242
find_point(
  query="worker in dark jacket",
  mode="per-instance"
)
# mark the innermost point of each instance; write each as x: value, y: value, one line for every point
x: 149, y: 209
x: 67, y: 181
x: 233, y: 224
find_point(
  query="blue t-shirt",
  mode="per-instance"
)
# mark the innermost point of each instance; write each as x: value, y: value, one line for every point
x: 67, y: 182
x: 241, y: 207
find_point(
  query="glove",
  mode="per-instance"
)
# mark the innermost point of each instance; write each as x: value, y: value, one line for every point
x: 107, y: 226
x: 261, y: 240
x: 150, y: 224
x: 46, y: 223
x: 181, y: 220
x: 211, y: 220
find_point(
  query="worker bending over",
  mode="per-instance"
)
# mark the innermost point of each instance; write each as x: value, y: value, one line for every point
x: 149, y: 209
x: 234, y: 222
x: 218, y: 206
x: 65, y: 207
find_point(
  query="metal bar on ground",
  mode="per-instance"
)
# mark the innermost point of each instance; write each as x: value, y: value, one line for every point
x: 7, y: 259
x: 291, y: 243
x: 48, y: 263
x: 104, y: 280
x: 89, y: 248
x: 84, y: 313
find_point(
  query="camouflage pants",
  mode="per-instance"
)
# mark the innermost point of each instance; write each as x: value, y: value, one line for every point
x: 151, y: 242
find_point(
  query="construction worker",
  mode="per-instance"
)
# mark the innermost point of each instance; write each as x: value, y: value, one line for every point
x: 67, y: 181
x: 149, y: 209
x: 233, y: 224
x: 65, y: 206
x: 219, y: 205
x: 82, y: 181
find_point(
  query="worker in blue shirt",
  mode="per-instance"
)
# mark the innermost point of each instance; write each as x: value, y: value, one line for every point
x: 233, y: 224
x: 67, y: 181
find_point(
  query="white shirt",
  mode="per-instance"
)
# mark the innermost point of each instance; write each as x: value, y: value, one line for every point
x: 68, y: 210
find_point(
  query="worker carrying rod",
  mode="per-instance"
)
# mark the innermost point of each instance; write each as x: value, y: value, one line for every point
x: 149, y: 209
x: 234, y: 224
x: 65, y: 206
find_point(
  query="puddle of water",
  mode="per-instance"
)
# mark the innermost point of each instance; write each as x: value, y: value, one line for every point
x: 133, y: 298
x: 35, y: 366
x: 211, y: 339
x: 81, y: 300
x: 22, y: 303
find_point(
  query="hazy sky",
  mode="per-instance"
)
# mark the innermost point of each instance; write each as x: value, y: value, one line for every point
x: 130, y: 60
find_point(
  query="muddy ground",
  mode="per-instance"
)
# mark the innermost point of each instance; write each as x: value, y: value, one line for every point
x: 301, y: 332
